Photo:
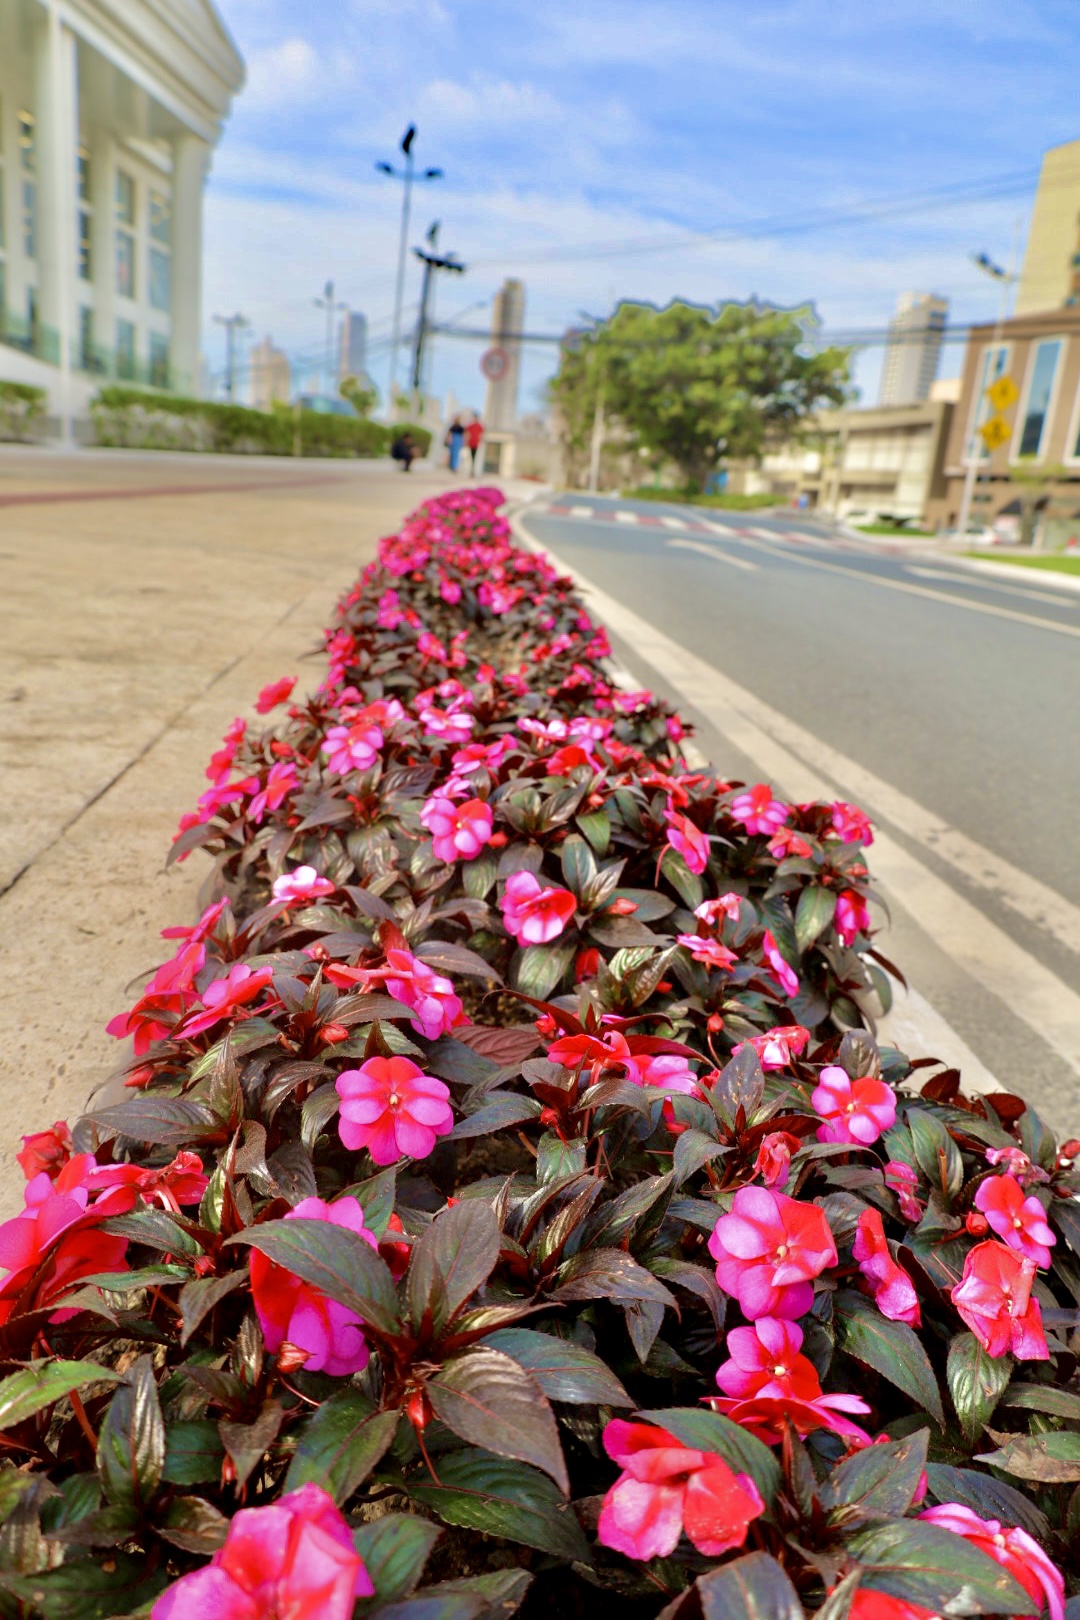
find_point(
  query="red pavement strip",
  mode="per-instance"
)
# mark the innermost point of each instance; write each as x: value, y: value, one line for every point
x: 52, y: 497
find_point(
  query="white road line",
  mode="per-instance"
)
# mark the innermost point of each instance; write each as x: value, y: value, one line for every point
x: 990, y: 585
x: 673, y: 522
x: 626, y: 517
x: 714, y: 554
x: 785, y: 750
x: 582, y: 511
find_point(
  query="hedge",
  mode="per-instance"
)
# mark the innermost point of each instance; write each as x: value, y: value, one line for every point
x: 511, y: 1208
x: 134, y: 418
x: 22, y: 407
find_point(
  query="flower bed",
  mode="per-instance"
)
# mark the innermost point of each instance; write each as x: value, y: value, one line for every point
x: 512, y: 1210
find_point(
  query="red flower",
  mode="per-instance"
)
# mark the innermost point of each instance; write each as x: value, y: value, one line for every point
x: 768, y: 1250
x: 55, y: 1238
x: 586, y: 964
x: 1020, y: 1221
x: 785, y: 975
x: 776, y: 1047
x: 46, y: 1151
x: 851, y: 824
x: 181, y: 1182
x: 225, y: 996
x: 758, y: 811
x: 291, y: 1311
x: 1013, y: 1549
x: 868, y: 1605
x: 773, y: 1161
x: 666, y: 1488
x: 852, y: 916
x: 275, y: 693
x: 853, y: 1110
x: 708, y: 951
x: 766, y: 1359
x: 892, y: 1288
x: 994, y: 1298
x: 533, y: 914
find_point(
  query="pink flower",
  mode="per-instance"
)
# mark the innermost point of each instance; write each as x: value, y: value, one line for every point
x: 1013, y: 1549
x: 392, y: 1108
x: 777, y: 1046
x: 785, y: 976
x: 54, y: 1225
x: 436, y: 1007
x: 302, y: 883
x: 458, y: 831
x: 904, y: 1180
x: 786, y: 841
x: 773, y: 1162
x: 710, y: 911
x: 292, y: 1311
x: 533, y: 914
x: 687, y: 840
x: 354, y: 747
x: 275, y: 693
x: 666, y: 1071
x: 994, y: 1298
x: 708, y: 951
x: 853, y: 1110
x: 225, y: 996
x: 203, y: 929
x: 450, y: 591
x: 449, y: 726
x: 1020, y: 1221
x: 892, y: 1288
x: 181, y: 1182
x: 768, y: 1250
x: 851, y: 824
x: 758, y: 811
x: 766, y: 1360
x: 852, y: 916
x: 290, y: 1560
x: 666, y: 1488
x: 221, y: 762
x: 46, y: 1151
x: 280, y: 781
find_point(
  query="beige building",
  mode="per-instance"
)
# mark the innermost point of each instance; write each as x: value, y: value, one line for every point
x: 270, y: 375
x: 109, y: 113
x: 913, y: 349
x: 889, y: 460
x: 1050, y: 276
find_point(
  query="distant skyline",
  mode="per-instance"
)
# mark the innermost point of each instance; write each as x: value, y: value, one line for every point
x: 590, y: 150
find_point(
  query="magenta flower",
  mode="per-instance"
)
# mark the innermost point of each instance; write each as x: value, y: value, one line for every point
x: 687, y: 840
x: 852, y: 916
x: 1013, y: 1549
x: 708, y: 951
x: 275, y: 693
x: 533, y: 914
x: 768, y: 1250
x: 776, y: 1047
x: 458, y: 831
x: 447, y: 726
x: 280, y: 781
x: 773, y: 1162
x: 851, y: 824
x: 666, y: 1071
x: 666, y: 1488
x: 294, y: 1312
x: 785, y: 976
x: 853, y: 1110
x: 303, y: 883
x: 289, y: 1560
x: 892, y: 1288
x: 786, y: 841
x: 435, y: 1006
x: 391, y: 1107
x: 711, y: 911
x: 994, y: 1298
x: 758, y: 811
x: 766, y: 1359
x: 224, y: 996
x: 1021, y: 1222
x: 354, y: 747
x: 904, y: 1181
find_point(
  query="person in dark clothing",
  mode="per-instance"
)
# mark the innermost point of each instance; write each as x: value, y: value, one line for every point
x: 454, y: 439
x: 404, y: 450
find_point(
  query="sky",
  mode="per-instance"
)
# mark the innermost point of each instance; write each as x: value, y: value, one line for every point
x: 830, y: 152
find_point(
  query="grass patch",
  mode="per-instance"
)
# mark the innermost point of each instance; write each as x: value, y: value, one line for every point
x: 1055, y: 563
x: 893, y: 528
x: 683, y: 497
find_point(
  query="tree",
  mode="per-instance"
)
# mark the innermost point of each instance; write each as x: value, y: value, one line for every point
x: 360, y: 393
x: 691, y: 384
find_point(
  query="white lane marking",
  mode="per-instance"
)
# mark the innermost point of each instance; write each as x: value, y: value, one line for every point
x: 581, y: 511
x: 716, y: 556
x: 626, y: 517
x: 784, y: 749
x: 673, y: 522
x: 990, y: 585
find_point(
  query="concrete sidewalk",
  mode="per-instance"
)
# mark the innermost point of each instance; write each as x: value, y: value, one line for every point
x: 134, y: 625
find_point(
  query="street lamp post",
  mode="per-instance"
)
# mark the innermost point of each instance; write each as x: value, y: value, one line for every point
x: 432, y: 261
x: 1006, y: 278
x: 407, y: 175
x: 331, y: 306
x: 232, y: 324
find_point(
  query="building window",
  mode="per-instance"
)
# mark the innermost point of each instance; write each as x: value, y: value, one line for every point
x: 1040, y: 389
x: 159, y: 360
x: 29, y: 218
x: 85, y: 261
x: 160, y: 278
x: 160, y: 218
x: 125, y: 198
x: 125, y: 235
x: 27, y: 144
x: 125, y: 350
x: 87, y: 358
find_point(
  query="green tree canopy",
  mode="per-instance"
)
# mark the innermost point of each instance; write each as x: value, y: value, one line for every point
x: 694, y: 385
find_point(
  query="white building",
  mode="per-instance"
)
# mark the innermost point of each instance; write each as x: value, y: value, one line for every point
x: 914, y: 346
x: 109, y: 112
x: 269, y: 375
x: 352, y: 348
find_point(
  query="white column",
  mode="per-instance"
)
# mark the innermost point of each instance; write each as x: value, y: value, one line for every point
x: 190, y: 161
x: 57, y: 123
x: 103, y: 236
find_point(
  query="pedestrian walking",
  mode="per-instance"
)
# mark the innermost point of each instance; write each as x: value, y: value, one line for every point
x: 404, y: 450
x: 454, y: 439
x: 473, y: 434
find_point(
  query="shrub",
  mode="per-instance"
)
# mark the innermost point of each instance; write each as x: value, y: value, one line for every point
x: 133, y: 418
x: 511, y: 1208
x: 22, y: 407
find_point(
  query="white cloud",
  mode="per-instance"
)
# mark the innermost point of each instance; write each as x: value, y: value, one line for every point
x: 292, y: 73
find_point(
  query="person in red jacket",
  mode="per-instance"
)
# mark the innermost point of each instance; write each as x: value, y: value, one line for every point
x: 473, y: 434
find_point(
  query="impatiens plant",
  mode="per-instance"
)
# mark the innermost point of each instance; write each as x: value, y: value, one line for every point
x: 508, y: 1206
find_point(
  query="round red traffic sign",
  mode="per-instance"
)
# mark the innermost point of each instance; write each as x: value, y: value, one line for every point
x: 494, y: 364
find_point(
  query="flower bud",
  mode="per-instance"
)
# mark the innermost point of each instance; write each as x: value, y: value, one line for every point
x: 291, y: 1357
x: 418, y: 1410
x: 331, y: 1034
x: 976, y: 1224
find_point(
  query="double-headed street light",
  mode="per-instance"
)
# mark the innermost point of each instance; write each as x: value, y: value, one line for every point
x: 1006, y: 278
x: 407, y: 175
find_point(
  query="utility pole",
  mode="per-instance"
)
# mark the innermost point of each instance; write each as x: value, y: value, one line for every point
x: 432, y: 262
x: 331, y: 305
x: 232, y: 325
x: 1007, y: 279
x: 407, y: 175
x: 597, y: 442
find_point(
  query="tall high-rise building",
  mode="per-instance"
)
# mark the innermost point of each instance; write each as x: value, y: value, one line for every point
x: 911, y: 357
x: 352, y: 351
x: 507, y: 325
x: 270, y: 375
x: 1050, y: 276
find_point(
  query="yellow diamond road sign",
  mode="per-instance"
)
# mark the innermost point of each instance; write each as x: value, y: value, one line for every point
x: 1003, y: 393
x: 995, y: 432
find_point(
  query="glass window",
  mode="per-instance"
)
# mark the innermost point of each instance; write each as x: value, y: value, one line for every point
x: 160, y: 278
x: 27, y: 152
x: 125, y: 198
x: 85, y: 261
x: 29, y: 218
x: 160, y: 218
x: 86, y: 338
x: 125, y: 350
x: 159, y: 360
x: 1043, y: 371
x: 125, y: 264
x: 84, y: 174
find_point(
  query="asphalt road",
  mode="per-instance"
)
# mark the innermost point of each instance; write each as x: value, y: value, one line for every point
x: 951, y: 698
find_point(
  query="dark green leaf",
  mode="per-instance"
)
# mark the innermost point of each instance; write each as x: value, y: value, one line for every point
x: 86, y: 1589
x: 452, y: 1258
x: 741, y: 1084
x: 160, y: 1121
x: 976, y: 1383
x: 478, y: 876
x: 193, y: 1453
x: 131, y: 1443
x: 596, y: 825
x: 578, y: 863
x: 317, y: 1111
x: 692, y: 1150
x: 751, y: 1588
x: 1043, y: 1398
x: 503, y: 1498
x: 922, y: 1563
x: 154, y: 1229
x: 202, y: 1294
x: 537, y: 969
x: 194, y: 1525
x: 891, y: 1348
x: 395, y: 1550
x: 988, y: 1497
x: 495, y: 1115
x: 376, y: 1198
x: 565, y: 1372
x: 1053, y: 1458
x: 710, y: 1431
x: 340, y: 1444
x: 556, y: 1158
x: 130, y: 1282
x: 936, y: 1154
x: 330, y: 1258
x: 813, y: 914
x: 476, y: 1597
x: 490, y: 1401
x: 879, y: 1482
x: 34, y: 1388
x: 609, y: 1274
x: 248, y: 1443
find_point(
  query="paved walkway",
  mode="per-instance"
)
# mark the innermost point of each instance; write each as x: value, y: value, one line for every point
x: 144, y: 600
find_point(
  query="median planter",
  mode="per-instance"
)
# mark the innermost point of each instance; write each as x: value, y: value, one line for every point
x: 511, y: 1209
